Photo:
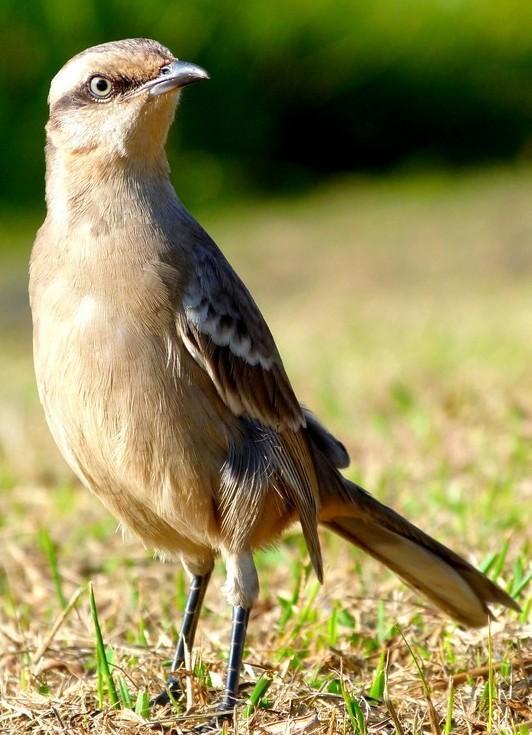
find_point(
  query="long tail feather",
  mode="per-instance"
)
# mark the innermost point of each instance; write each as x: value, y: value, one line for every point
x: 440, y: 574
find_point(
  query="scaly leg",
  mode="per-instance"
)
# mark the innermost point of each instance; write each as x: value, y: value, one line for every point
x: 236, y: 650
x: 196, y: 594
x: 241, y: 590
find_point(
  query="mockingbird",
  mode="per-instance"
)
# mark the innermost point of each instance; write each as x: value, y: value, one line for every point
x: 159, y: 377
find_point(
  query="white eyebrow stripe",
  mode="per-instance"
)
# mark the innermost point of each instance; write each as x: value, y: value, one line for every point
x: 71, y: 76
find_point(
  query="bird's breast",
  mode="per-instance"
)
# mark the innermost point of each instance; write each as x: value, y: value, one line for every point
x: 100, y: 368
x: 122, y: 407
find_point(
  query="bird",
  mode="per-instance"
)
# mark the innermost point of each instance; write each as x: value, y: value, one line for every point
x: 159, y: 378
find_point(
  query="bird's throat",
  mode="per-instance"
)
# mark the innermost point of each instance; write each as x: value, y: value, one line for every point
x: 85, y: 185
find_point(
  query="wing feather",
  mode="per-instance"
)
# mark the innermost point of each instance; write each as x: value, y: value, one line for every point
x: 225, y: 332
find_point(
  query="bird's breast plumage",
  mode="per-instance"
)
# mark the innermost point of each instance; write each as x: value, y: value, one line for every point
x: 116, y: 384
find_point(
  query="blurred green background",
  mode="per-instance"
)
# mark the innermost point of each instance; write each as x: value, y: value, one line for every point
x: 300, y: 89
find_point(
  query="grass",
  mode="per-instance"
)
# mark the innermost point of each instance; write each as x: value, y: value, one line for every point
x: 402, y: 309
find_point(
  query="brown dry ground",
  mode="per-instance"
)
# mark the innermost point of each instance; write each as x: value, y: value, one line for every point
x: 403, y: 309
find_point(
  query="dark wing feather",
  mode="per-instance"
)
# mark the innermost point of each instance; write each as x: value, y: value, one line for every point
x: 224, y: 330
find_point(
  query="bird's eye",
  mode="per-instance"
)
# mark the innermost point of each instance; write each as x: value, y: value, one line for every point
x: 165, y: 70
x: 100, y: 87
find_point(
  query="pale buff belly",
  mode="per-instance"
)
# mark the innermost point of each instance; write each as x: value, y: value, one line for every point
x: 120, y: 406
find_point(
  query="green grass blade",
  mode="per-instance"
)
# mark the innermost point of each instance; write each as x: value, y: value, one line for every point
x: 499, y: 562
x: 377, y: 686
x: 492, y: 693
x: 354, y: 712
x: 257, y: 695
x: 288, y: 606
x: 142, y: 704
x: 103, y: 663
x: 99, y: 679
x: 49, y: 550
x: 520, y: 580
x: 125, y: 697
x: 448, y: 728
x: 486, y: 566
x: 308, y: 609
x: 433, y: 717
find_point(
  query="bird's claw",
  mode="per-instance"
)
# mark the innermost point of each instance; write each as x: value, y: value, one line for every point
x: 171, y: 691
x: 223, y: 714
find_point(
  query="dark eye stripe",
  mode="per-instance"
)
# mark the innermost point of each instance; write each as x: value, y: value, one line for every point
x: 127, y: 84
x: 82, y: 96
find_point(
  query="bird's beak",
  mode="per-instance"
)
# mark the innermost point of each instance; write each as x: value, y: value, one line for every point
x: 175, y: 75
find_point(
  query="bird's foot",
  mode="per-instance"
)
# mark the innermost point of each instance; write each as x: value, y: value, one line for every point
x: 223, y: 715
x: 172, y: 690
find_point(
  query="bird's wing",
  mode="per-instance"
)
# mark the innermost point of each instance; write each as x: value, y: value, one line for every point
x: 225, y: 332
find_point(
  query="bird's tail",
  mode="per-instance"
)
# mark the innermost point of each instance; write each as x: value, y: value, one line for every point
x: 440, y: 574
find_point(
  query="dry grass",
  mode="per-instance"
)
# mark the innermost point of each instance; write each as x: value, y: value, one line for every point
x: 402, y: 308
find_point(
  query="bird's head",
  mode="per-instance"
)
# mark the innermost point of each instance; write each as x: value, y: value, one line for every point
x: 118, y: 99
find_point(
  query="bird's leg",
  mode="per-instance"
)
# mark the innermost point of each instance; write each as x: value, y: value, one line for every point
x: 224, y: 709
x: 234, y: 663
x: 196, y: 594
x: 241, y: 590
